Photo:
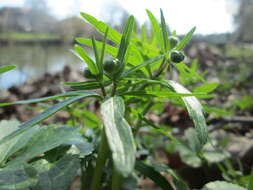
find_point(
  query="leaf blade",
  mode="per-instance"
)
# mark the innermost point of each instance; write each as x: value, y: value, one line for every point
x: 7, y: 68
x: 119, y: 135
x: 186, y: 39
x: 44, y: 115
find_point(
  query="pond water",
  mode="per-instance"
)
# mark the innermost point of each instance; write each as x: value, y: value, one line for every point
x: 34, y: 61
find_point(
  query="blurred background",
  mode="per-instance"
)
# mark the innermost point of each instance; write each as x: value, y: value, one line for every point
x: 36, y: 35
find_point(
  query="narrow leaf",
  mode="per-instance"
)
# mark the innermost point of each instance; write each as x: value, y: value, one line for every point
x: 207, y: 87
x: 186, y: 39
x: 44, y: 115
x: 108, y: 48
x: 137, y: 67
x: 102, y: 27
x: 103, y: 49
x: 97, y: 57
x: 7, y: 68
x: 84, y: 55
x: 119, y: 135
x: 125, y: 39
x: 165, y: 34
x: 36, y: 100
x: 155, y: 27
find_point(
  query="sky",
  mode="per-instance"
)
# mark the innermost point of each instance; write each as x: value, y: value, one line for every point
x: 209, y: 16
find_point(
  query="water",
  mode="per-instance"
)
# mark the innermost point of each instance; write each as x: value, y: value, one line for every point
x: 34, y: 61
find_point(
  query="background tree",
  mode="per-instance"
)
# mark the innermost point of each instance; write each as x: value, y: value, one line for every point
x: 244, y: 21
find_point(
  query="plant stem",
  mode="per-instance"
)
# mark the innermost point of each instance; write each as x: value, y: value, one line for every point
x: 86, y: 175
x: 101, y: 159
x: 116, y: 180
x: 161, y: 68
x: 114, y: 89
x: 102, y: 89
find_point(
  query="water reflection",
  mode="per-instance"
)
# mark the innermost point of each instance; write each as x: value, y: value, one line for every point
x: 33, y: 61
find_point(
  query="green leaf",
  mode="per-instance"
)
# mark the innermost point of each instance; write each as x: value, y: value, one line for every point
x: 102, y: 27
x: 119, y: 135
x: 20, y: 177
x: 222, y: 185
x: 178, y: 182
x: 162, y: 94
x: 154, y: 175
x: 7, y: 68
x: 58, y: 175
x: 134, y: 56
x: 97, y: 57
x: 137, y: 67
x: 88, y: 85
x: 108, y: 49
x: 207, y: 87
x: 44, y: 115
x: 84, y: 55
x: 103, y: 50
x: 49, y: 137
x: 125, y: 39
x: 16, y: 143
x: 155, y: 27
x: 194, y: 109
x: 165, y: 34
x: 186, y: 39
x: 250, y: 186
x: 56, y: 97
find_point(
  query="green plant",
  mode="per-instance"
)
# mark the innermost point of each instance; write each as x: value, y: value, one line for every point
x: 126, y: 88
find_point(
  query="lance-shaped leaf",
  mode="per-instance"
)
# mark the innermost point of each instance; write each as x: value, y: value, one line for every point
x: 36, y: 100
x: 155, y: 27
x: 102, y: 27
x: 85, y: 57
x: 108, y: 48
x: 6, y: 68
x: 186, y: 39
x: 165, y: 33
x: 194, y: 109
x: 125, y: 39
x: 44, y: 115
x: 119, y: 135
x: 20, y: 177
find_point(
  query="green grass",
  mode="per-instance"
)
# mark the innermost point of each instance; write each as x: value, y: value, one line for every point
x: 27, y: 36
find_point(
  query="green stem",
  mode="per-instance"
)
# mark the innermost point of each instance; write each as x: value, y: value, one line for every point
x: 86, y: 176
x: 101, y: 159
x: 116, y: 180
x: 102, y: 89
x: 114, y: 89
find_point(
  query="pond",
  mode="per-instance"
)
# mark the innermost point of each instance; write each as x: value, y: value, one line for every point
x: 33, y: 61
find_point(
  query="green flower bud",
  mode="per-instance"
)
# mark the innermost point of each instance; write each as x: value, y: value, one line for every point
x: 173, y: 41
x: 177, y: 56
x: 87, y: 74
x: 111, y: 66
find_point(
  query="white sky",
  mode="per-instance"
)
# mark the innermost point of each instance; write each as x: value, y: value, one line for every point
x: 210, y: 16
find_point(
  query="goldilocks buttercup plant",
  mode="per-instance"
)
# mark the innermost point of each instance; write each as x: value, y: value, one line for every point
x: 127, y: 87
